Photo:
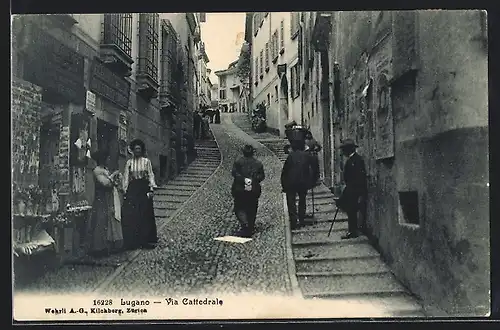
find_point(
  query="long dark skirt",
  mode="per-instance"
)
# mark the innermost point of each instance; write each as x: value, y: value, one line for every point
x: 138, y: 219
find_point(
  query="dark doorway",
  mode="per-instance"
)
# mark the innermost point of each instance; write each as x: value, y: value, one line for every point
x: 107, y: 140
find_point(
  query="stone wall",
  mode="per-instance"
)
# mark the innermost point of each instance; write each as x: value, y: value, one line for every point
x: 438, y: 96
x: 25, y: 109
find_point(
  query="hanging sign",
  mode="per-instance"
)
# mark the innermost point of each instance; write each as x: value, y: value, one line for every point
x: 90, y: 102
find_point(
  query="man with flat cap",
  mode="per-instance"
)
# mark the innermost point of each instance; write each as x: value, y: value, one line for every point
x: 248, y: 173
x: 355, y: 186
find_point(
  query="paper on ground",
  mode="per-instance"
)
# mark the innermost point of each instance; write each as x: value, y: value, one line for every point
x: 233, y: 239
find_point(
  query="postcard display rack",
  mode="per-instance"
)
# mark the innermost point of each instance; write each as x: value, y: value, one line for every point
x: 54, y: 237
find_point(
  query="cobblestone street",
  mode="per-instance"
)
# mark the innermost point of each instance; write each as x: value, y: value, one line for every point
x: 189, y: 261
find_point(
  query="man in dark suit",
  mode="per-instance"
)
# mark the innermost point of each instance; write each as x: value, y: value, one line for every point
x: 248, y: 173
x: 355, y: 186
x: 296, y: 179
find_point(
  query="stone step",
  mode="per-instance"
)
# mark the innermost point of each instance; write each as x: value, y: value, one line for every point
x: 320, y: 202
x: 369, y: 263
x: 182, y: 184
x: 356, y: 285
x: 304, y: 236
x: 322, y: 238
x: 174, y: 189
x: 327, y: 217
x: 202, y: 167
x: 205, y: 163
x: 208, y: 159
x: 166, y: 206
x: 162, y: 199
x: 205, y: 173
x: 334, y: 251
x: 193, y: 175
x: 395, y: 305
x: 189, y: 178
x: 163, y: 213
x: 323, y: 227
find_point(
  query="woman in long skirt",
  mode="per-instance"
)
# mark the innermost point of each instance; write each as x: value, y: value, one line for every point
x: 138, y: 219
x: 104, y: 233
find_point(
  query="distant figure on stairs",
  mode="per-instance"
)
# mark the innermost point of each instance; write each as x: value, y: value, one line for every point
x: 248, y: 173
x: 205, y: 127
x: 197, y: 121
x: 353, y: 197
x: 296, y: 179
x: 217, y: 116
x: 313, y: 147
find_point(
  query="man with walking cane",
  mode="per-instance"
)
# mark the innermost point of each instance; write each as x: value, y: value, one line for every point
x: 296, y: 178
x: 355, y: 190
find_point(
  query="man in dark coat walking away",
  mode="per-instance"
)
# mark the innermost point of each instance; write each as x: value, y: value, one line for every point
x: 217, y: 116
x: 296, y: 179
x: 355, y: 189
x: 248, y: 173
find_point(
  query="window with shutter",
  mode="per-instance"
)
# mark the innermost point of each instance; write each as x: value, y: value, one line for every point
x: 261, y: 64
x: 275, y: 46
x: 294, y: 24
x: 117, y: 30
x: 255, y: 24
x: 256, y: 71
x: 282, y: 36
x: 148, y: 50
x: 267, y: 56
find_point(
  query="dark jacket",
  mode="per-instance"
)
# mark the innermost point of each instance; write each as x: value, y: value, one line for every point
x: 355, y: 181
x: 247, y: 167
x: 298, y: 171
x: 313, y: 145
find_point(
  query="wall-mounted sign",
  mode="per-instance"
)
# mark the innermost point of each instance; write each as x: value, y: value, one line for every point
x: 55, y: 67
x: 109, y: 85
x: 90, y: 102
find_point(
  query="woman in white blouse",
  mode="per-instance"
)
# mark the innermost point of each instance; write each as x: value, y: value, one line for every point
x: 138, y: 219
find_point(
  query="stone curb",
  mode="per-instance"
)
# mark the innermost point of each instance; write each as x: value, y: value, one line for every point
x: 106, y: 281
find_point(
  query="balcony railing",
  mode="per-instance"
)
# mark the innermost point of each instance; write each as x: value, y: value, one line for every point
x: 147, y: 70
x: 116, y: 42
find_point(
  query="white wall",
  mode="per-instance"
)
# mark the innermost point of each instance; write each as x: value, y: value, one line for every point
x: 270, y: 81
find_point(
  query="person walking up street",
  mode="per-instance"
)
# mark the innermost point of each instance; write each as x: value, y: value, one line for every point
x: 296, y: 178
x: 354, y: 193
x: 248, y: 173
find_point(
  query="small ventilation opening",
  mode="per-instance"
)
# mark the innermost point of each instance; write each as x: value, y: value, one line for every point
x: 408, y: 202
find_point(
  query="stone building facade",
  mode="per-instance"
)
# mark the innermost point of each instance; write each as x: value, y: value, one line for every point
x: 229, y: 88
x: 273, y: 37
x: 411, y: 88
x: 102, y: 80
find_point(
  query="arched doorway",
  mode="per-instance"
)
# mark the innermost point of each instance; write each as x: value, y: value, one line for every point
x: 283, y: 104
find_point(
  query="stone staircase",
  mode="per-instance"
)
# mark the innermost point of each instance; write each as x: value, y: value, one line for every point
x: 277, y: 146
x: 351, y: 270
x: 169, y: 197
